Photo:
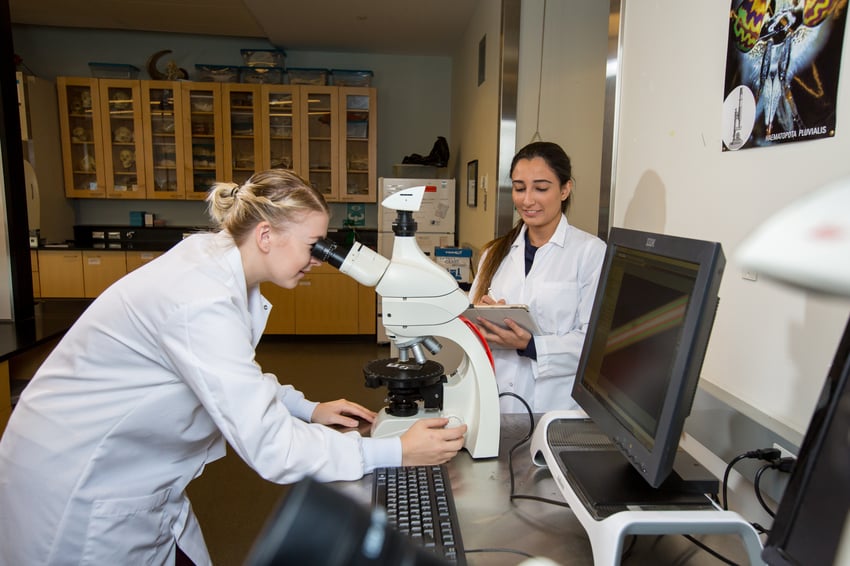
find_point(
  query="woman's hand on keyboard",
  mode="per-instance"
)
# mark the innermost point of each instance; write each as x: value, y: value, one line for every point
x: 428, y: 442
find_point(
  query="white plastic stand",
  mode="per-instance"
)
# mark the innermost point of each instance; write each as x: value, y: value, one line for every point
x: 607, y: 535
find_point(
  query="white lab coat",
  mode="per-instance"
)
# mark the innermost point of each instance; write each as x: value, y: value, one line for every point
x: 138, y: 396
x: 559, y: 291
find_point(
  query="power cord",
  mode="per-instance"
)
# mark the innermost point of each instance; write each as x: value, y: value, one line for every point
x: 767, y: 454
x: 513, y: 494
x: 527, y: 437
x: 783, y: 465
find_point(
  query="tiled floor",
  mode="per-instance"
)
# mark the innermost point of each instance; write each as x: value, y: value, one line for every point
x: 230, y: 499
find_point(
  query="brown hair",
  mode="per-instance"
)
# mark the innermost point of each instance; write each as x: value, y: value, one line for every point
x: 276, y: 196
x: 497, y: 249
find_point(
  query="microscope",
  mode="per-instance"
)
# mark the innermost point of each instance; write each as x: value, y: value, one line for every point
x: 422, y: 301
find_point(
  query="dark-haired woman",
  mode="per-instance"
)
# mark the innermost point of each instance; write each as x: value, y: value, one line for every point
x: 552, y: 267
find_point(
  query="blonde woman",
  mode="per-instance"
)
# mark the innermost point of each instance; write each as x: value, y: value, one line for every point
x: 158, y: 375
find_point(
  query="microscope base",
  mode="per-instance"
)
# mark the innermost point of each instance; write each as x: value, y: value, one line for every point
x: 387, y: 425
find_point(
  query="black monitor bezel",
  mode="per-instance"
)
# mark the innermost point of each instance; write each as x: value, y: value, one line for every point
x: 656, y: 463
x: 784, y: 533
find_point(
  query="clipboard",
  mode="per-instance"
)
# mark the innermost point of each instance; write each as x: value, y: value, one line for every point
x: 498, y: 313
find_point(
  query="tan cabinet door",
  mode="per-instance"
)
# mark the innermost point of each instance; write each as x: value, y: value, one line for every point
x: 137, y: 259
x: 60, y: 273
x: 326, y: 303
x: 282, y: 318
x: 102, y: 269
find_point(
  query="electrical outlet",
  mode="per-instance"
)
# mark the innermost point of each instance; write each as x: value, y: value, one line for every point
x: 784, y: 452
x: 750, y: 275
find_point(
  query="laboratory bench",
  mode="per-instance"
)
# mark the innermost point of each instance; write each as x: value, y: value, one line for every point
x: 489, y: 519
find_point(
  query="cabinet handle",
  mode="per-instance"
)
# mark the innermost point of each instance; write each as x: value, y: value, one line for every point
x: 303, y: 283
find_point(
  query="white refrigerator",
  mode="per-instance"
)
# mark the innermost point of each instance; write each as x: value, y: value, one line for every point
x: 435, y: 220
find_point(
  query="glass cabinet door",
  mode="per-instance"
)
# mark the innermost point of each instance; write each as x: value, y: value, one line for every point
x: 242, y: 138
x: 202, y: 127
x: 161, y: 112
x: 358, y: 147
x: 82, y: 144
x: 320, y: 150
x: 281, y: 139
x: 123, y: 138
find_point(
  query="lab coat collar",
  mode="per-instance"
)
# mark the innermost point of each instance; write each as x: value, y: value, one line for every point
x: 256, y: 304
x: 559, y: 238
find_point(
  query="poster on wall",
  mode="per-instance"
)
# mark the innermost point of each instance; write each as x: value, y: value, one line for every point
x: 782, y: 67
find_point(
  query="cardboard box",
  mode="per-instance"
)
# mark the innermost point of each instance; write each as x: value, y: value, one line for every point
x: 458, y: 261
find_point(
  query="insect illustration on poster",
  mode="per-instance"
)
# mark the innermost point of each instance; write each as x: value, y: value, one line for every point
x: 782, y: 71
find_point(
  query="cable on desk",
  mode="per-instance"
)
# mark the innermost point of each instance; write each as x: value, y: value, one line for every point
x: 710, y: 550
x: 527, y: 437
x: 503, y: 550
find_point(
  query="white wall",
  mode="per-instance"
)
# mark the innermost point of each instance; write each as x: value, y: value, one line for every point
x: 771, y: 346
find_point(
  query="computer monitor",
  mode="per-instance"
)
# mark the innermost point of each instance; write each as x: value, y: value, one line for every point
x: 643, y: 352
x: 813, y: 511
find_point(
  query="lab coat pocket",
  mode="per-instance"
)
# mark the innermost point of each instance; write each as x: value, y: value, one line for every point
x: 556, y: 304
x: 132, y: 530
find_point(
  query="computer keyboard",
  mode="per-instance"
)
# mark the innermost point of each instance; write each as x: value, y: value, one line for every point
x: 419, y: 503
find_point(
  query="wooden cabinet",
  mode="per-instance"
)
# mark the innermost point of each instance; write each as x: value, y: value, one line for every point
x: 358, y: 145
x: 243, y: 147
x: 202, y: 145
x: 280, y: 122
x: 282, y: 318
x: 82, y: 140
x: 164, y: 160
x: 324, y: 302
x: 137, y: 259
x: 320, y: 139
x: 36, y: 284
x: 61, y: 273
x: 338, y: 147
x: 123, y: 138
x: 102, y: 269
x: 367, y: 300
x: 173, y: 140
x: 100, y: 122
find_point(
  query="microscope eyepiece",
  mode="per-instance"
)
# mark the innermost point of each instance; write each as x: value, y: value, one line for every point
x: 328, y: 251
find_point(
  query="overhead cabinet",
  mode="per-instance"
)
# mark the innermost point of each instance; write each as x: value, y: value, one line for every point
x: 162, y: 115
x: 174, y: 140
x: 202, y: 144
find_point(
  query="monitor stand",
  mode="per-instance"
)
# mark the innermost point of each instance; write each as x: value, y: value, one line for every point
x: 607, y: 534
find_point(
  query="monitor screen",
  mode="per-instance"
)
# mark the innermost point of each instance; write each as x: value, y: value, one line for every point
x: 812, y: 515
x: 645, y: 343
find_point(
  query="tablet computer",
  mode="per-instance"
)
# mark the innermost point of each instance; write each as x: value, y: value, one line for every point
x: 498, y: 313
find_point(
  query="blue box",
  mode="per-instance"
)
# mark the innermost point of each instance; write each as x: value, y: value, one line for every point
x: 137, y: 218
x: 458, y: 262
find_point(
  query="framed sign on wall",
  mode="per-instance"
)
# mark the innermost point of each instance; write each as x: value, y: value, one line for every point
x: 472, y: 183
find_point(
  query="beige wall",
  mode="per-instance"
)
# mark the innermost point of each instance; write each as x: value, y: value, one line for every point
x: 475, y: 111
x: 574, y: 41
